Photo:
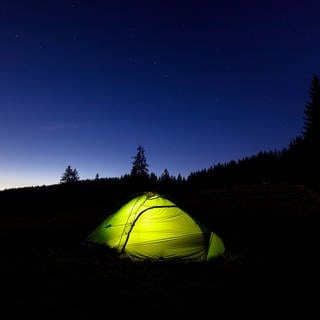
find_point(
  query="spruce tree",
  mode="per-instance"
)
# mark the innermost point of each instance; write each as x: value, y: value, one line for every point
x: 165, y: 176
x: 139, y: 164
x: 70, y: 175
x: 311, y: 132
x: 311, y: 136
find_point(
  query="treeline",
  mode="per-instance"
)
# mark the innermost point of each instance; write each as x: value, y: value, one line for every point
x: 265, y: 167
x: 298, y: 163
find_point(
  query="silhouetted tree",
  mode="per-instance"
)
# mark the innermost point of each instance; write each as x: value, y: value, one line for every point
x: 165, y: 176
x: 139, y: 164
x: 70, y: 175
x: 311, y: 135
x: 179, y: 178
x: 311, y: 132
x: 153, y: 177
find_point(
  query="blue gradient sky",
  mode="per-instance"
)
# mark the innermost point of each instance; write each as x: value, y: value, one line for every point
x: 83, y: 83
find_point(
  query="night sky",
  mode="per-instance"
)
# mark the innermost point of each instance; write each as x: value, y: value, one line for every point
x: 83, y: 83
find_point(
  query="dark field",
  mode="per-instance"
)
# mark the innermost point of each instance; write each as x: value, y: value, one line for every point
x: 270, y: 268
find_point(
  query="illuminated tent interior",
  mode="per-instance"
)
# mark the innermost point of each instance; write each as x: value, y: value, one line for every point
x: 149, y: 226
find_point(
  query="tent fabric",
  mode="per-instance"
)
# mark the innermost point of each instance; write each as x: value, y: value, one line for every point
x: 150, y: 226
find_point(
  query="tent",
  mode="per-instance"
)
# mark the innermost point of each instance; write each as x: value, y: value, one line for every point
x: 150, y: 226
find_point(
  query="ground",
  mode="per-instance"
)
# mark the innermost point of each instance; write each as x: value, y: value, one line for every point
x: 270, y: 266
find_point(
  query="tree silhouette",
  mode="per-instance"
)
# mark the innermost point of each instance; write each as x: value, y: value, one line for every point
x: 153, y: 177
x: 179, y: 178
x: 165, y: 176
x: 139, y: 164
x: 70, y: 175
x: 311, y: 133
x: 309, y: 152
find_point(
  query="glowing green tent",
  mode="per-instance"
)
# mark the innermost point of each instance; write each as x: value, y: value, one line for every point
x: 150, y: 226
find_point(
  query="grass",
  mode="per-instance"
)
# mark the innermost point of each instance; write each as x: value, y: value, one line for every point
x: 270, y: 266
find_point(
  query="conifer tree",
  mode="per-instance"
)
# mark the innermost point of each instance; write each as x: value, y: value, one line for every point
x: 309, y: 153
x: 139, y: 164
x: 165, y: 176
x: 311, y: 132
x: 70, y: 175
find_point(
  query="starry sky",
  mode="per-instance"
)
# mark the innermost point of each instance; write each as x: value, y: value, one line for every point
x: 84, y: 82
